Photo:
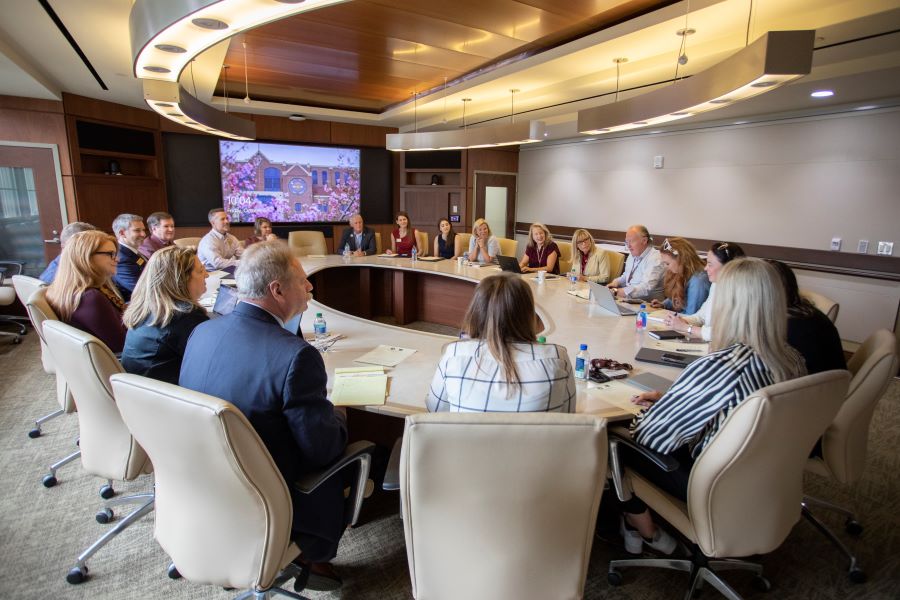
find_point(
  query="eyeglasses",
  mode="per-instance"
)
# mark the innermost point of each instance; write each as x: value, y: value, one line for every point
x: 110, y: 253
x: 667, y: 247
x: 583, y: 240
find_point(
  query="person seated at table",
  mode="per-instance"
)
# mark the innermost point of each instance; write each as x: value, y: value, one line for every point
x: 130, y: 231
x: 501, y: 368
x: 359, y: 238
x: 83, y: 293
x: 445, y: 240
x: 809, y: 330
x: 589, y: 262
x: 483, y: 246
x: 403, y: 237
x: 218, y: 249
x: 163, y: 312
x: 699, y: 324
x: 643, y: 275
x: 64, y: 236
x: 162, y: 233
x: 262, y: 232
x: 749, y: 351
x: 686, y: 284
x: 541, y: 252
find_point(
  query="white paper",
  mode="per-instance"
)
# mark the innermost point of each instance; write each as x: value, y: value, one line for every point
x: 386, y: 356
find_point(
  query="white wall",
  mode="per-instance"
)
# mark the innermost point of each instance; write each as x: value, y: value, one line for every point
x: 793, y: 183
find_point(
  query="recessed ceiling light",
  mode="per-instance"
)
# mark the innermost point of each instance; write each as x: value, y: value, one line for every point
x: 213, y: 24
x: 175, y: 114
x: 656, y: 131
x: 640, y: 122
x: 764, y: 84
x: 164, y: 104
x: 740, y: 122
x: 296, y: 117
x: 153, y: 69
x: 866, y: 107
x: 680, y: 114
x: 720, y: 101
x: 190, y: 122
x: 822, y: 94
x: 170, y: 48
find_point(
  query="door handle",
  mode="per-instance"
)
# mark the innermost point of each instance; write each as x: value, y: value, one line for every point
x: 53, y: 241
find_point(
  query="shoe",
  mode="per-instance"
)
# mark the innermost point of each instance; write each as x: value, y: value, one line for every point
x: 634, y: 543
x: 662, y: 541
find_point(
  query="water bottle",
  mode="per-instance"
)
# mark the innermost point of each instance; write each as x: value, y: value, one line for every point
x: 582, y: 363
x: 346, y: 251
x: 573, y: 280
x: 541, y: 340
x: 415, y: 254
x: 319, y: 327
x: 640, y: 321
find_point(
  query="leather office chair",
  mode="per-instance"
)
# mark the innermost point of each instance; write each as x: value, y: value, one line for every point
x: 565, y: 257
x: 187, y: 241
x: 108, y: 449
x: 616, y: 263
x: 8, y: 270
x: 508, y: 247
x: 223, y: 517
x: 422, y: 243
x: 501, y: 505
x: 843, y: 455
x: 379, y: 249
x: 745, y: 486
x: 39, y: 312
x: 823, y: 303
x: 304, y: 243
x: 461, y: 243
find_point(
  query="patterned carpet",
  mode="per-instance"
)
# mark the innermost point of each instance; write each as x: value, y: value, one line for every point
x: 41, y: 530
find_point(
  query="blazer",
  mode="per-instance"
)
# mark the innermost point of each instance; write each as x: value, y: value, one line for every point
x: 131, y: 265
x: 597, y: 267
x: 278, y: 381
x: 368, y: 241
x: 156, y: 352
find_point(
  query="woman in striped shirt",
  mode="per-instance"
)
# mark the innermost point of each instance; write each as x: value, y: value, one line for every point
x: 749, y: 352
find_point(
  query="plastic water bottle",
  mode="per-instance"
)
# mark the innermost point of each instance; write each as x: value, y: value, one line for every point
x: 346, y: 251
x: 415, y: 254
x: 319, y: 327
x: 573, y: 280
x: 582, y: 363
x: 640, y: 321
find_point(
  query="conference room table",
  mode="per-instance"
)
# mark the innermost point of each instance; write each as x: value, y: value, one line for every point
x: 439, y: 292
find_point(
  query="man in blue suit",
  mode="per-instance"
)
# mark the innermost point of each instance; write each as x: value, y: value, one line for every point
x: 359, y: 238
x: 278, y: 381
x: 130, y: 231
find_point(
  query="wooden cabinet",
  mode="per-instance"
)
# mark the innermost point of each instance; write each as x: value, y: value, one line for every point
x: 433, y: 187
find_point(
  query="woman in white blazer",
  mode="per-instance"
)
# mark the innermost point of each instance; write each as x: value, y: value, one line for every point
x: 589, y: 262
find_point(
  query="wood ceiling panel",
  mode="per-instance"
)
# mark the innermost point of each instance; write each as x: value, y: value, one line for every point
x: 370, y: 54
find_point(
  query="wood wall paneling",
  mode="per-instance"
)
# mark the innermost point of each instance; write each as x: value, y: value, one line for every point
x: 110, y: 112
x: 283, y: 129
x: 346, y: 134
x: 102, y: 197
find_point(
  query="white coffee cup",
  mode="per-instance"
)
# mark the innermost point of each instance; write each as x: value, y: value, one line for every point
x: 461, y: 260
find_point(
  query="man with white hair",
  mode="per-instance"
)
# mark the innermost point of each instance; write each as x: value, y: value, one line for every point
x: 278, y: 382
x: 219, y: 249
x: 644, y: 269
x: 358, y: 238
x: 67, y: 232
x: 130, y: 232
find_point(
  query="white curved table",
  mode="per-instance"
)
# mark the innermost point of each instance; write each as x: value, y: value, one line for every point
x: 568, y: 321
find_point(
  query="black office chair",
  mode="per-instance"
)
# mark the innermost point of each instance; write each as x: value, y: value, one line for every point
x: 8, y: 268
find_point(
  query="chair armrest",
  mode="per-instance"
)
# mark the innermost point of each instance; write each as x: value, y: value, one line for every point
x: 361, y: 452
x: 617, y: 439
x: 391, y: 481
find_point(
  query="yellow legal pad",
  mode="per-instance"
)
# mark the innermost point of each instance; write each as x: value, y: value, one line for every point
x: 359, y: 386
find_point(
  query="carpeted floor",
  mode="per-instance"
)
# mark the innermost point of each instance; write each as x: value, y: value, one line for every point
x: 41, y: 529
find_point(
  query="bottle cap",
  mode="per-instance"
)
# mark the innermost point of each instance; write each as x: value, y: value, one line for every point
x: 318, y: 315
x: 643, y: 305
x: 584, y: 346
x: 542, y: 339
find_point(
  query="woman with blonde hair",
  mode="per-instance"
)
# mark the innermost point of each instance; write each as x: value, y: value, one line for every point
x: 83, y: 293
x: 749, y: 351
x: 686, y: 284
x: 541, y: 252
x: 589, y: 262
x: 501, y: 368
x: 483, y: 246
x: 163, y: 313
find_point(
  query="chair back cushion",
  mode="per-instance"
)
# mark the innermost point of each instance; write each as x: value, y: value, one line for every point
x: 25, y: 286
x: 616, y: 263
x: 107, y: 448
x: 823, y: 303
x: 379, y: 249
x: 508, y: 247
x: 39, y: 310
x: 746, y: 486
x: 187, y: 241
x: 845, y: 441
x: 565, y: 257
x: 501, y: 505
x: 305, y: 243
x: 422, y: 248
x: 461, y: 243
x: 223, y: 511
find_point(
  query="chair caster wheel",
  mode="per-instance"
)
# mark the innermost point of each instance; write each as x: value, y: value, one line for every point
x: 857, y: 575
x: 614, y: 578
x: 49, y: 481
x: 107, y: 492
x: 761, y: 583
x: 853, y: 527
x: 34, y: 433
x: 17, y: 340
x: 77, y: 575
x: 104, y: 516
x: 173, y: 572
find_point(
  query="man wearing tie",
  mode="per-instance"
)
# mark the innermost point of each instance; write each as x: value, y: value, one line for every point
x: 359, y: 238
x: 644, y: 269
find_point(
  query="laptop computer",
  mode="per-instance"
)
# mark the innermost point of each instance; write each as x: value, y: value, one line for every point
x: 509, y: 263
x: 665, y: 357
x: 601, y: 295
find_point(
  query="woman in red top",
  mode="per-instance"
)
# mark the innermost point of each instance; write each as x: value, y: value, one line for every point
x: 403, y: 237
x: 82, y: 294
x: 541, y: 253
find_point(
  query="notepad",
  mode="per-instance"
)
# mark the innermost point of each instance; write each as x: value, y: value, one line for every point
x: 386, y: 356
x: 616, y: 393
x: 679, y: 346
x: 582, y: 293
x: 359, y: 386
x: 431, y: 258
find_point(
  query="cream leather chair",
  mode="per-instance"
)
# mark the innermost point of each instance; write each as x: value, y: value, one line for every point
x: 304, y: 243
x: 823, y: 303
x: 745, y: 486
x: 379, y: 249
x: 107, y: 448
x: 8, y: 270
x: 223, y: 517
x: 501, y: 505
x: 508, y: 247
x: 187, y: 241
x: 39, y: 312
x: 422, y: 243
x: 461, y: 243
x: 616, y: 263
x: 843, y: 452
x: 565, y: 257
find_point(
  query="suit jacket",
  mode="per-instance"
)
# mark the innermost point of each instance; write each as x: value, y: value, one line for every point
x: 368, y: 241
x: 278, y: 381
x: 131, y: 265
